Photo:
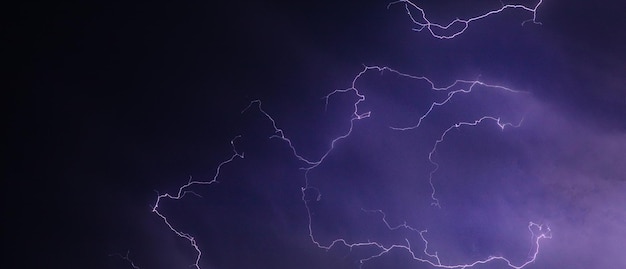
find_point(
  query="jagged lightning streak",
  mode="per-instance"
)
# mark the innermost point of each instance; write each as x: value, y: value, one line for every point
x: 436, y: 261
x: 423, y: 22
x: 182, y: 191
x: 441, y: 139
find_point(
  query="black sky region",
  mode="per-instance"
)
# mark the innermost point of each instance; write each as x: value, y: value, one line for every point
x: 108, y: 102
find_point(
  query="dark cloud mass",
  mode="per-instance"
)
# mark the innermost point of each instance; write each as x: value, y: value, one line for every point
x: 114, y: 104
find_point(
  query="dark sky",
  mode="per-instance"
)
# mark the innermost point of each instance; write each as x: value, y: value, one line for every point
x: 108, y: 102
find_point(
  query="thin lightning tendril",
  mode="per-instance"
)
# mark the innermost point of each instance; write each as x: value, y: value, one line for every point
x: 126, y: 258
x: 441, y: 139
x: 538, y: 231
x: 182, y: 191
x: 423, y: 22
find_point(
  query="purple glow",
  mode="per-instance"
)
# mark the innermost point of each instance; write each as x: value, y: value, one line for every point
x: 470, y: 174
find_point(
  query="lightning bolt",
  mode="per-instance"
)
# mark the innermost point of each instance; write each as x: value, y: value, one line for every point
x: 538, y: 232
x: 182, y: 192
x: 441, y: 139
x: 439, y: 30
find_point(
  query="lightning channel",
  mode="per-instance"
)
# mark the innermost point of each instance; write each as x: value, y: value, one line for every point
x: 180, y: 194
x: 445, y: 31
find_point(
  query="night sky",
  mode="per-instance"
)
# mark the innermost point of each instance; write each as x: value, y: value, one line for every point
x: 111, y: 103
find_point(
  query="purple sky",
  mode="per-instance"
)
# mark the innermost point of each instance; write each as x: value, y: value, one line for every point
x: 115, y: 101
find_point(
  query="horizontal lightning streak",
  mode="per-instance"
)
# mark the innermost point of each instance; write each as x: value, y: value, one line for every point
x: 424, y: 23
